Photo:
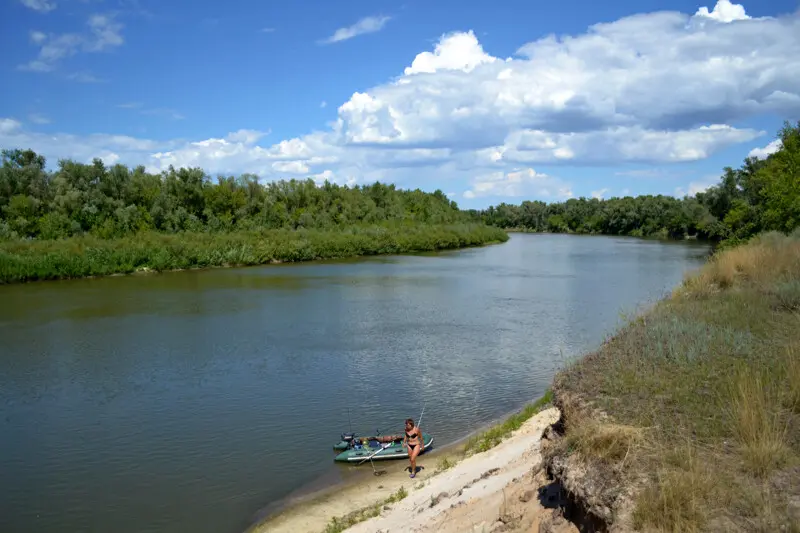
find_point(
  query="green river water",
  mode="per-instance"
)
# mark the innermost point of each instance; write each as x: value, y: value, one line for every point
x: 192, y: 401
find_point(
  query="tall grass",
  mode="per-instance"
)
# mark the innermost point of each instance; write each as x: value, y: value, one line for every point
x: 700, y: 397
x: 90, y: 256
x: 757, y: 421
x: 495, y: 435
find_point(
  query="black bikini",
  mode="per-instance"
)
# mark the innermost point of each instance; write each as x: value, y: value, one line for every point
x: 411, y: 437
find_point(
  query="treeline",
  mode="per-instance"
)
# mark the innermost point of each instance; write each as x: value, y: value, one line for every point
x: 761, y: 195
x: 109, y: 202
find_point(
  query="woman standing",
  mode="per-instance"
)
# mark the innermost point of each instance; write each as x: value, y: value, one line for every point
x: 414, y: 444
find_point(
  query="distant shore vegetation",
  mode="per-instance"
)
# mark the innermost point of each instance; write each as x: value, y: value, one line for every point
x: 92, y: 219
x: 761, y: 195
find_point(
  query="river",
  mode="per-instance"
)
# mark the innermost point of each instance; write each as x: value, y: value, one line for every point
x: 189, y: 401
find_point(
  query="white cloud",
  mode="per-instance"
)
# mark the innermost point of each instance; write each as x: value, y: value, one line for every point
x: 104, y: 33
x: 625, y: 192
x: 524, y: 182
x: 293, y: 167
x: 612, y: 94
x: 762, y: 153
x: 323, y: 104
x: 38, y: 118
x: 599, y: 194
x: 620, y: 144
x: 617, y: 75
x: 267, y: 30
x: 365, y: 25
x: 38, y: 37
x: 697, y: 186
x: 456, y: 51
x: 84, y: 77
x: 724, y: 11
x: 9, y: 125
x: 130, y: 105
x: 42, y: 6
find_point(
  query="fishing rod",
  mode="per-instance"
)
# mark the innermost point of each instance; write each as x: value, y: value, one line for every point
x: 349, y: 419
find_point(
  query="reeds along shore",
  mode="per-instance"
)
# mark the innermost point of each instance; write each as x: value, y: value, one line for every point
x: 92, y: 256
x: 695, y: 406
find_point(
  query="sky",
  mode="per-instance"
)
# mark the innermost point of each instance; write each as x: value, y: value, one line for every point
x: 489, y: 102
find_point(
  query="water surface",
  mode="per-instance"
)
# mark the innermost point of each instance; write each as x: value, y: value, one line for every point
x: 188, y: 401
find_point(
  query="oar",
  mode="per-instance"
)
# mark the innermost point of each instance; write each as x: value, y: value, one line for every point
x: 374, y: 454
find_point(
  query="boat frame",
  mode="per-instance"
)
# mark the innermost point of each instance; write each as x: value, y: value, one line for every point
x: 378, y: 454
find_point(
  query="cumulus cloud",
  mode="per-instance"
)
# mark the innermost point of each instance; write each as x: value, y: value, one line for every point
x: 104, y: 33
x: 365, y: 25
x: 42, y: 6
x: 523, y: 182
x: 724, y: 11
x: 600, y: 194
x: 763, y: 153
x: 609, y: 95
x: 619, y: 144
x: 456, y: 51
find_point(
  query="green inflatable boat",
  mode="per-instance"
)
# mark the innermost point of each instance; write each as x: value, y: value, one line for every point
x: 354, y: 449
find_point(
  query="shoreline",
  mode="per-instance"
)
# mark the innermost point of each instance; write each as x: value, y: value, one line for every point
x: 314, y: 510
x: 89, y: 257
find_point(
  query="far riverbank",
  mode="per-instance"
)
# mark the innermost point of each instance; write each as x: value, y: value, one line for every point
x: 88, y: 256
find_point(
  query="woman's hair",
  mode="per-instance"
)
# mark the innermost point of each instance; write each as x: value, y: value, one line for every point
x: 410, y: 421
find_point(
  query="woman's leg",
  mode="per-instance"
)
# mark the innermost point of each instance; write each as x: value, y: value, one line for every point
x: 413, y: 456
x: 410, y: 460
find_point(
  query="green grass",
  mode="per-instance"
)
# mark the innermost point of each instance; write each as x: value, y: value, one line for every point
x: 701, y: 397
x: 495, y: 435
x: 341, y: 523
x: 445, y: 463
x: 85, y: 256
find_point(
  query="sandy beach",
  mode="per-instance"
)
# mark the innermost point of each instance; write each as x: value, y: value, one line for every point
x: 497, y: 490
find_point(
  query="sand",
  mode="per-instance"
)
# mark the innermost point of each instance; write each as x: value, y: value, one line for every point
x: 497, y: 490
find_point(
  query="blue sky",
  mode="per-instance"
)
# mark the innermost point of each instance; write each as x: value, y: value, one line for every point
x: 489, y: 102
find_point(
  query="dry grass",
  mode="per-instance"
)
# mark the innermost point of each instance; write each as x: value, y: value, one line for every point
x: 791, y: 365
x: 681, y: 495
x: 702, y: 397
x: 604, y: 441
x: 767, y: 259
x: 758, y: 421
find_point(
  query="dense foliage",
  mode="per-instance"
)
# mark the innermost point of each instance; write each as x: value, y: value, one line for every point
x: 116, y: 201
x: 88, y: 255
x: 762, y: 195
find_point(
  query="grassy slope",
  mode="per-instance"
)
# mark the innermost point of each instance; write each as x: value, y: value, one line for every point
x: 89, y: 256
x: 703, y: 395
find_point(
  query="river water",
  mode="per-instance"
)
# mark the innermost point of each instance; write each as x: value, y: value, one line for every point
x: 189, y: 401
